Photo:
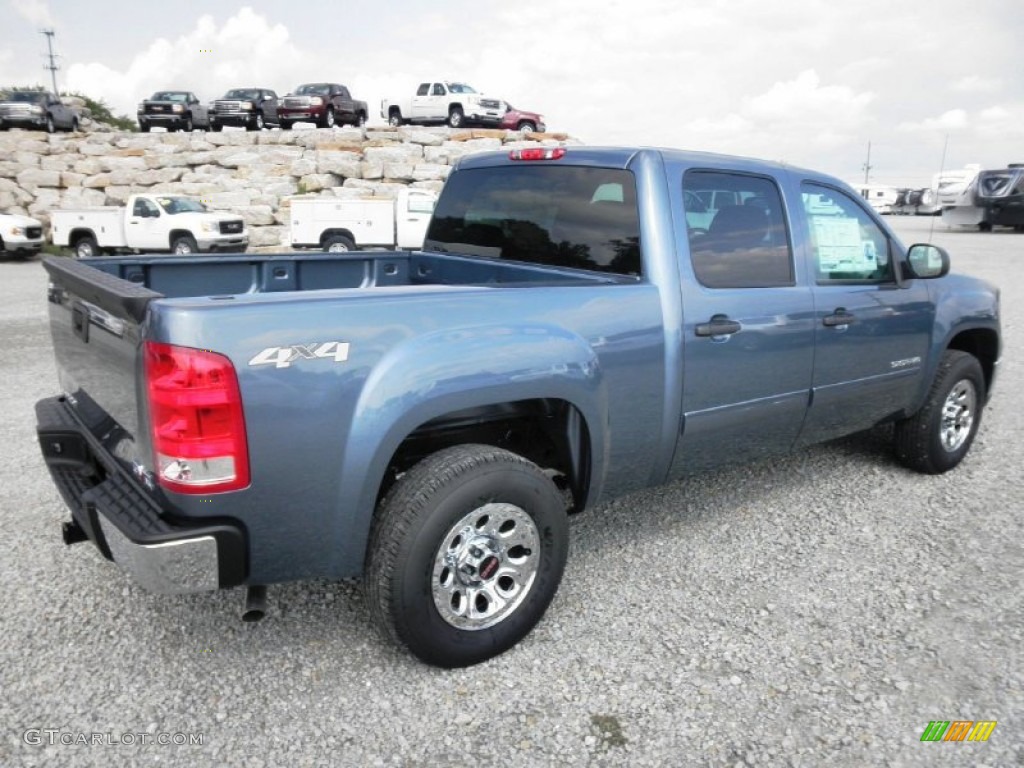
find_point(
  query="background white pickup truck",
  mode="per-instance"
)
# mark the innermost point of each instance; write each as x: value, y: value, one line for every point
x: 23, y: 236
x: 444, y: 102
x: 335, y: 224
x: 152, y: 223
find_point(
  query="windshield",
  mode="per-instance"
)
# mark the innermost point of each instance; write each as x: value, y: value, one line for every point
x: 460, y: 88
x: 563, y: 216
x: 170, y: 96
x: 28, y: 97
x: 242, y: 93
x: 181, y: 205
x: 314, y: 89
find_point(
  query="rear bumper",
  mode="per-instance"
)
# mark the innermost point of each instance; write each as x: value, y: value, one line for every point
x: 109, y: 507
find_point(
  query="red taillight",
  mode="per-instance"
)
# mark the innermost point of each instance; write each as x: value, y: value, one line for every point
x: 537, y: 153
x: 197, y: 425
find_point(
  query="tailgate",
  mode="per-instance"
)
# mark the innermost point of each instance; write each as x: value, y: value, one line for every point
x: 95, y: 322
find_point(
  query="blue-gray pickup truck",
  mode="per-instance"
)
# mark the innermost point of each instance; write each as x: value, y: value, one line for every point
x: 580, y: 323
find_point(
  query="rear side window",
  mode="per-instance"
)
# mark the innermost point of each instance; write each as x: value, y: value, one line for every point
x: 846, y: 244
x: 737, y: 230
x: 563, y: 216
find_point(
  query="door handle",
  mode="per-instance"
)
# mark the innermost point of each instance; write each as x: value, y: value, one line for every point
x: 839, y: 318
x: 719, y: 325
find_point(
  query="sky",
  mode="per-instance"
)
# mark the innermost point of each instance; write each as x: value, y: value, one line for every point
x: 930, y: 84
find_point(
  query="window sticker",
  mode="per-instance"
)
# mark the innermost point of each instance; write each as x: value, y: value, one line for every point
x: 840, y: 247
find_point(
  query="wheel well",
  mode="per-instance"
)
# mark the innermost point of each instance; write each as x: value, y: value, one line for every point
x: 394, y: 111
x: 984, y: 345
x: 551, y: 433
x: 78, y: 234
x: 176, y: 233
x: 329, y: 233
x: 456, y: 105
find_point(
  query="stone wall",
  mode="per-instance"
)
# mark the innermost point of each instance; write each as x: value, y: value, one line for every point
x: 251, y: 174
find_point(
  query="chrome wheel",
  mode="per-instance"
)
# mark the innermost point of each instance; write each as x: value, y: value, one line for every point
x: 485, y: 566
x: 958, y: 415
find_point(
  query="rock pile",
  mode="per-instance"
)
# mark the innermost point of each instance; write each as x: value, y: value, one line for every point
x: 251, y: 174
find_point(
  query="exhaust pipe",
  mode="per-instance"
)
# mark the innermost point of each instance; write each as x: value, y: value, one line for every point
x: 255, y: 603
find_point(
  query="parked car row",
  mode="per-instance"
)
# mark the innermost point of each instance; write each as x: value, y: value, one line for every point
x: 41, y: 110
x: 329, y: 104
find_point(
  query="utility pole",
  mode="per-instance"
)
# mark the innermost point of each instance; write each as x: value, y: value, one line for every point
x: 867, y: 164
x: 52, y: 66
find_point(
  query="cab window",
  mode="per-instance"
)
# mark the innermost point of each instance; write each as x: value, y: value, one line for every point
x: 846, y: 244
x: 737, y: 230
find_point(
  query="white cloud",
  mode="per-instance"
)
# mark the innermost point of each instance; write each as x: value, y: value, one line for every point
x: 34, y: 11
x: 952, y: 120
x: 245, y: 50
x: 977, y: 84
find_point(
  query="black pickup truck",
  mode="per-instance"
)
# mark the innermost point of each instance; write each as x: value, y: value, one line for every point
x: 36, y: 109
x: 173, y: 110
x: 252, y: 108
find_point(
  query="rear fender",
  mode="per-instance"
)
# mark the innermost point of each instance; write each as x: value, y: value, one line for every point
x: 444, y: 372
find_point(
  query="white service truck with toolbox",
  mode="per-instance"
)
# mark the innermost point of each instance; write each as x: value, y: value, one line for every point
x: 349, y: 224
x: 149, y: 223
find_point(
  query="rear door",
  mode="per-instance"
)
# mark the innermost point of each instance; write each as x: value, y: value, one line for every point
x: 872, y: 332
x: 748, y: 334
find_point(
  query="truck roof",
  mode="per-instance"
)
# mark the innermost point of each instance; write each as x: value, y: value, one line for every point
x: 623, y: 157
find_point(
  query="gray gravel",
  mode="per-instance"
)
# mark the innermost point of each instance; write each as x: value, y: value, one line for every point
x: 818, y: 609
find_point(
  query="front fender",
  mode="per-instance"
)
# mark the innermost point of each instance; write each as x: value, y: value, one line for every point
x: 439, y: 373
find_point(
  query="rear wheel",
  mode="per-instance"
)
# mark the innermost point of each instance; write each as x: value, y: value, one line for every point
x: 466, y: 553
x: 395, y: 118
x: 86, y: 247
x: 339, y: 244
x: 183, y: 245
x: 937, y: 437
x: 74, y: 125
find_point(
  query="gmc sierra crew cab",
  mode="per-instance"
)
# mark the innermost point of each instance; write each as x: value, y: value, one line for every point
x: 573, y: 329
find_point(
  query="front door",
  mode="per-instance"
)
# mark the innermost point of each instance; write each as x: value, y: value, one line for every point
x: 748, y: 334
x: 146, y: 230
x: 871, y: 332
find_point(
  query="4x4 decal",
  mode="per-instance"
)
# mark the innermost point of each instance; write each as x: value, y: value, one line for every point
x: 283, y: 357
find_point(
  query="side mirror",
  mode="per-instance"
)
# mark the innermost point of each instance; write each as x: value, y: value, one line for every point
x: 927, y: 261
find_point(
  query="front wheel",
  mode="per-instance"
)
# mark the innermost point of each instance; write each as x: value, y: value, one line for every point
x: 937, y: 437
x: 188, y: 124
x: 466, y: 553
x: 184, y: 245
x: 51, y: 127
x: 328, y: 118
x: 527, y: 127
x: 257, y: 123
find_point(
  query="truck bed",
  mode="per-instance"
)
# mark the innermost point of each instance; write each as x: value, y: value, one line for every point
x: 241, y: 274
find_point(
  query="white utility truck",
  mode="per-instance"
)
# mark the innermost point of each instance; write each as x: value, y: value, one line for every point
x: 348, y: 224
x: 149, y: 223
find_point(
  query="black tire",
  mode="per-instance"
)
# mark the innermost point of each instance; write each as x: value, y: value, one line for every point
x: 257, y: 123
x: 395, y: 118
x: 51, y: 127
x: 188, y: 124
x: 328, y: 121
x: 456, y: 117
x: 216, y: 127
x: 419, y: 525
x: 360, y: 120
x: 74, y: 126
x: 86, y: 247
x: 339, y: 244
x: 286, y: 125
x: 143, y: 127
x: 527, y: 127
x: 936, y: 438
x: 184, y: 245
x: 985, y: 226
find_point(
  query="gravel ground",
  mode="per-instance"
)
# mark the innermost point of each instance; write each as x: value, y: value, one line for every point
x: 818, y: 609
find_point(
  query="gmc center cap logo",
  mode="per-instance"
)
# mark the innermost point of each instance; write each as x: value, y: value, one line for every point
x: 488, y: 567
